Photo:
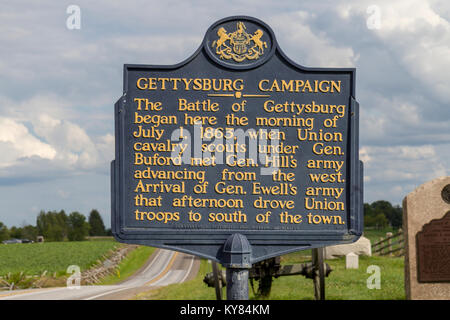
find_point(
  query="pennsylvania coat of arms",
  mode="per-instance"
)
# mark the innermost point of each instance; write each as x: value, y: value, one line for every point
x: 239, y: 45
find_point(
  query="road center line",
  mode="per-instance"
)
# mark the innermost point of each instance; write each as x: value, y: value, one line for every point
x: 166, y: 269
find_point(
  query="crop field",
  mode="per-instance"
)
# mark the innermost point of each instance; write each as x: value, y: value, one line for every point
x: 35, y: 258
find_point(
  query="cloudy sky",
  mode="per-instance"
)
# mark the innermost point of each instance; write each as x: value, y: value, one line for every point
x: 58, y: 86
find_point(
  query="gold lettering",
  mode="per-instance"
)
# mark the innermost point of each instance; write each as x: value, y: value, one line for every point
x: 260, y: 85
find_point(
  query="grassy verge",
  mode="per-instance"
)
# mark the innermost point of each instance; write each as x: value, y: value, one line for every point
x: 342, y: 284
x: 128, y: 266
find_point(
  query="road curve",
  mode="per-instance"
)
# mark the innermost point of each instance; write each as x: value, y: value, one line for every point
x: 164, y: 267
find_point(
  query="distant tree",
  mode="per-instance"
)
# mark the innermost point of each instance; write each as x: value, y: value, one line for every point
x: 369, y: 221
x: 374, y: 211
x: 367, y: 209
x: 53, y: 225
x: 380, y: 221
x: 4, y: 232
x: 392, y: 214
x: 29, y: 232
x: 368, y: 215
x: 97, y: 227
x: 381, y: 206
x: 15, y: 232
x: 396, y: 218
x: 41, y: 223
x: 78, y: 227
x: 63, y: 222
x: 109, y: 232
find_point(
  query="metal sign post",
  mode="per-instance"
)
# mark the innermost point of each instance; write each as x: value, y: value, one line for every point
x: 319, y: 273
x: 217, y: 281
x: 236, y: 258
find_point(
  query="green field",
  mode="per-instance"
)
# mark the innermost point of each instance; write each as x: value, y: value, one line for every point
x: 35, y: 258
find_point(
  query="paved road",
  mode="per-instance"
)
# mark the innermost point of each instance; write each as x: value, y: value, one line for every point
x: 163, y: 267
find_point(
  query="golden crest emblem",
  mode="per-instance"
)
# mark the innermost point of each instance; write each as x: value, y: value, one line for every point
x: 239, y: 45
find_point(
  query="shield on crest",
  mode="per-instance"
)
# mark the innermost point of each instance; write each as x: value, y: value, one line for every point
x: 240, y: 44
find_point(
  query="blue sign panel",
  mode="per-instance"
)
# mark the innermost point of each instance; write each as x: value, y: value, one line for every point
x: 237, y: 139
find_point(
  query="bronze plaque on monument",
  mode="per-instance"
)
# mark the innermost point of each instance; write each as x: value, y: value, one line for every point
x: 433, y: 251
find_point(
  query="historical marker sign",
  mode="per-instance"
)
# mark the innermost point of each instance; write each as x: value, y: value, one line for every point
x: 237, y: 139
x: 433, y: 251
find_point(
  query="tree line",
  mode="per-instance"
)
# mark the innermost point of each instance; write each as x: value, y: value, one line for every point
x: 381, y: 214
x: 58, y: 226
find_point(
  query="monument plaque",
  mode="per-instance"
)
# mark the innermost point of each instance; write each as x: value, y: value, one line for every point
x: 433, y: 247
x: 237, y: 139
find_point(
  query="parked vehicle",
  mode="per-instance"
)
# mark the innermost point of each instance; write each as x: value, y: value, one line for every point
x: 11, y: 241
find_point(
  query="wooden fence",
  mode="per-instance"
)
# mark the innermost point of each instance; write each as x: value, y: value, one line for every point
x: 393, y: 244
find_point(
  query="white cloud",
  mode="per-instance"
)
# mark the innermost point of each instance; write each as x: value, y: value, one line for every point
x: 106, y: 146
x: 403, y: 163
x: 17, y: 142
x: 409, y: 16
x: 421, y: 40
x: 309, y: 48
x: 74, y: 146
x: 55, y: 146
x: 416, y: 35
x: 364, y: 155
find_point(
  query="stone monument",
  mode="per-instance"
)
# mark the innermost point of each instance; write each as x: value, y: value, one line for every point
x: 426, y: 225
x: 351, y: 261
x: 360, y: 247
